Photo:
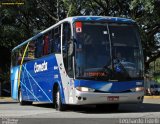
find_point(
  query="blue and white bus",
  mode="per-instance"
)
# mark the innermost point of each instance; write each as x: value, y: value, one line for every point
x: 80, y: 60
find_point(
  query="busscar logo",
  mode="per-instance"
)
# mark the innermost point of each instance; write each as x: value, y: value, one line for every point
x: 12, y: 2
x: 40, y: 67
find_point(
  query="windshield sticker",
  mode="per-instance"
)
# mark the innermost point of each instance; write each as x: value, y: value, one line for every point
x: 78, y: 27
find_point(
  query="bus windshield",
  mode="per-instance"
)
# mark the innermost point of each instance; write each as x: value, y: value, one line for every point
x: 107, y: 51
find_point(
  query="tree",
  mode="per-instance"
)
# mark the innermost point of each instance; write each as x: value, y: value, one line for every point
x: 18, y: 23
x: 147, y: 15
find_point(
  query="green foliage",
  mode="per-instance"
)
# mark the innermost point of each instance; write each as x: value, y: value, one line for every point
x: 146, y: 5
x: 147, y: 14
x: 18, y: 23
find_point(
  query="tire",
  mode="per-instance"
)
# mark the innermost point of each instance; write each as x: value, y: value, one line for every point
x: 21, y: 101
x: 59, y: 106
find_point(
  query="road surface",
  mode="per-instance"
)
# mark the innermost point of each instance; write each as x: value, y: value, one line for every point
x: 46, y: 113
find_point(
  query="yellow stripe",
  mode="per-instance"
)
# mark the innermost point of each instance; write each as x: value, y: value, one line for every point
x: 19, y: 74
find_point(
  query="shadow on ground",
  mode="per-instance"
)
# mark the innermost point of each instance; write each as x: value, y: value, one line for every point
x: 8, y: 102
x: 123, y: 108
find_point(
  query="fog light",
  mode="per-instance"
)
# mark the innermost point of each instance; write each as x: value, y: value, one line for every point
x: 84, y: 98
x: 139, y: 89
x: 79, y: 98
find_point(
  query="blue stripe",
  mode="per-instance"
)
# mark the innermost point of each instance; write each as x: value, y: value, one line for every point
x: 100, y: 18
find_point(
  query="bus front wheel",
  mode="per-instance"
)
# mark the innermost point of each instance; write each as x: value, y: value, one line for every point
x: 58, y: 102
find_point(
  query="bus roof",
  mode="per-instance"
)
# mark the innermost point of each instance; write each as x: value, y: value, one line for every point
x: 80, y: 18
x: 102, y: 18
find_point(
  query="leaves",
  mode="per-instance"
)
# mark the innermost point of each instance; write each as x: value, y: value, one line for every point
x: 18, y: 23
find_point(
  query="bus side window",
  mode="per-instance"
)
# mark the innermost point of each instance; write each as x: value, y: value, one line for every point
x: 45, y: 44
x: 30, y: 53
x: 39, y: 47
x: 20, y: 54
x: 56, y: 39
x: 50, y: 42
x: 67, y: 48
x: 47, y: 41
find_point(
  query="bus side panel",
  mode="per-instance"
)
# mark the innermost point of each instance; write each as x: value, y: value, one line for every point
x: 14, y: 82
x: 38, y: 77
x: 25, y: 82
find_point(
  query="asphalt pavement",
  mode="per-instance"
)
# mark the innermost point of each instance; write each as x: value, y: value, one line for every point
x: 38, y: 113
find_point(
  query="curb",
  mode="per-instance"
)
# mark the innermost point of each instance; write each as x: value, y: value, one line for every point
x: 6, y: 99
x: 151, y: 97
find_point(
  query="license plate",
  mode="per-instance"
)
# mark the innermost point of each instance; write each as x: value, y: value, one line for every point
x: 113, y: 98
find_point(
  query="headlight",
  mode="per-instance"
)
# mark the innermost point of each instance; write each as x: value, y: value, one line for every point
x: 85, y: 89
x: 137, y: 89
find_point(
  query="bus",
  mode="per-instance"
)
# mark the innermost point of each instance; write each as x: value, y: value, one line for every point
x: 81, y: 60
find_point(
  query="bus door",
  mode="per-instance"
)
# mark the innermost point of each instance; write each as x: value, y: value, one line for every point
x: 67, y: 51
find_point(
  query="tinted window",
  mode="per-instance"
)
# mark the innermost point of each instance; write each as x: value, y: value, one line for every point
x: 56, y: 40
x: 30, y: 52
x: 67, y: 46
x: 39, y: 47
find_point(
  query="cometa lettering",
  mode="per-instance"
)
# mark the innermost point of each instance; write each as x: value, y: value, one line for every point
x: 40, y: 67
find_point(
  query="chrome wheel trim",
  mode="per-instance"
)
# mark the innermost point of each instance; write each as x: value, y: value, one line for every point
x: 57, y: 99
x: 20, y: 96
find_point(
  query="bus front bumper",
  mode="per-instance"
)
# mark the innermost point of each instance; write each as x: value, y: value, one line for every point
x: 83, y: 98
